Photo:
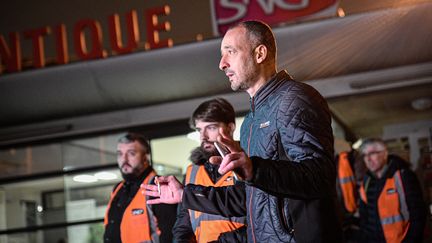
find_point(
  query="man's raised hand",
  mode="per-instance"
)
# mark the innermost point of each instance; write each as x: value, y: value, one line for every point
x: 167, y: 190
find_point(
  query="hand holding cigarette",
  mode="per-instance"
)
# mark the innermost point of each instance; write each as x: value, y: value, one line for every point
x: 167, y: 189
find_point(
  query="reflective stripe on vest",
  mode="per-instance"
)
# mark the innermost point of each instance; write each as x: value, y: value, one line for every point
x: 138, y: 215
x: 363, y: 189
x: 347, y: 182
x: 208, y: 227
x: 392, y: 208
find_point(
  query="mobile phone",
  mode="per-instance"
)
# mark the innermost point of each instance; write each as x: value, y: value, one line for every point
x: 221, y: 149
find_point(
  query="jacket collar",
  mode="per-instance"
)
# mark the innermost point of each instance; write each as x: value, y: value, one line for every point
x: 395, y: 163
x: 268, y: 88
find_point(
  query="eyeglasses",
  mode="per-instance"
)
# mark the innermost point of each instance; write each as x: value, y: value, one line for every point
x: 373, y: 153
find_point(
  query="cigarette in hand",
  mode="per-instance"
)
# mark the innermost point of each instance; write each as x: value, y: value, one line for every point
x: 235, y: 176
x: 158, y: 185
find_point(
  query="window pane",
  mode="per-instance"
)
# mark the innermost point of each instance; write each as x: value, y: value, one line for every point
x: 173, y: 152
x: 87, y: 194
x: 23, y: 203
x: 30, y: 160
x: 88, y: 152
x: 85, y: 233
x: 73, y: 154
x: 57, y: 199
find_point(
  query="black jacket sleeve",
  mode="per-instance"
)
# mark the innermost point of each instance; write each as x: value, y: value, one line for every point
x: 228, y: 201
x: 416, y: 206
x: 305, y: 168
x: 182, y: 231
x: 236, y: 236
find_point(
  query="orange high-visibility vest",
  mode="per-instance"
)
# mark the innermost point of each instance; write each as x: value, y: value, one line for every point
x: 208, y: 227
x: 347, y: 182
x: 392, y: 208
x: 138, y: 223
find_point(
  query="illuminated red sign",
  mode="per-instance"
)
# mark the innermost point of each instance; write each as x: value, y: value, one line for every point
x: 87, y: 39
x: 273, y: 12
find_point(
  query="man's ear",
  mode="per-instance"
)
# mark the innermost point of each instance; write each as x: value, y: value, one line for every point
x: 260, y: 53
x: 386, y: 154
x: 231, y: 127
x: 148, y: 157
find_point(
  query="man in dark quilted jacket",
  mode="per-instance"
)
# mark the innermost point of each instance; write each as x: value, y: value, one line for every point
x: 286, y: 154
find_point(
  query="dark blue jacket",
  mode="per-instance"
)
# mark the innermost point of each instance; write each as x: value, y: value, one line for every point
x: 288, y: 136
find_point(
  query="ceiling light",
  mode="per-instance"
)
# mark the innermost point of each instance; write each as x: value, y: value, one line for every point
x: 421, y: 104
x: 357, y: 144
x: 84, y: 178
x: 104, y: 175
x: 39, y: 208
x: 341, y: 12
x: 160, y: 167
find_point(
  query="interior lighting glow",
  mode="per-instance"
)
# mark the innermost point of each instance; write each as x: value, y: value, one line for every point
x: 421, y: 104
x: 194, y: 136
x: 160, y: 167
x: 357, y: 144
x: 85, y: 178
x: 39, y: 209
x: 341, y: 12
x: 104, y: 175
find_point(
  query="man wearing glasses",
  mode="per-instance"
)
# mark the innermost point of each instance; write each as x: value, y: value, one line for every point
x: 392, y: 208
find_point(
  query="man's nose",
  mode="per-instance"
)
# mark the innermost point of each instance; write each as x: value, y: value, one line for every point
x: 367, y: 158
x: 203, y: 135
x: 223, y: 64
x: 122, y: 158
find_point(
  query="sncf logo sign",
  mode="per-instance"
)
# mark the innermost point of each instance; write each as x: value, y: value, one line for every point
x: 228, y: 12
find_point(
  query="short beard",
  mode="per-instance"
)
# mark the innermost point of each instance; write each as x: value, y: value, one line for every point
x: 234, y: 87
x: 134, y: 175
x: 209, y: 154
x: 243, y: 86
x: 129, y: 177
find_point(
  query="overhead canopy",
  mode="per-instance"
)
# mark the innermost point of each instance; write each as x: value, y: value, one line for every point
x: 365, y: 50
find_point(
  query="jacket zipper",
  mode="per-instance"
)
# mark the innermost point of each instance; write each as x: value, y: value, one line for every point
x: 284, y: 217
x: 250, y: 125
x: 250, y: 215
x: 252, y: 189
